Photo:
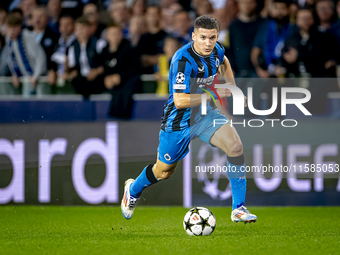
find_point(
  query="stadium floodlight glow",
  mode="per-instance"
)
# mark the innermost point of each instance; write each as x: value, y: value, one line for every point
x: 238, y: 100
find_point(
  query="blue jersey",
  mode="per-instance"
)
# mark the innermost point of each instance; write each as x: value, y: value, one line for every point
x: 188, y: 71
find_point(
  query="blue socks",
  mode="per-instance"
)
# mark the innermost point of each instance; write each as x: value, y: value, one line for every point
x: 237, y: 178
x: 236, y: 175
x: 144, y: 180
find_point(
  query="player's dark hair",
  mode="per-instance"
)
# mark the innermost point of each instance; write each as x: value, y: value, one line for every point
x: 206, y: 22
x: 83, y: 20
x: 13, y: 20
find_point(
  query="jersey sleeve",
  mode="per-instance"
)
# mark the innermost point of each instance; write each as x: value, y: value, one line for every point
x: 181, y: 74
x: 220, y: 51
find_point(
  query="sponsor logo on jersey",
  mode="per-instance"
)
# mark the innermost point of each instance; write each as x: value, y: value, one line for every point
x: 207, y: 81
x: 179, y: 86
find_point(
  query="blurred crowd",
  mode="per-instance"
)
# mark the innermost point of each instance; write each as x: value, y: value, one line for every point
x: 104, y: 46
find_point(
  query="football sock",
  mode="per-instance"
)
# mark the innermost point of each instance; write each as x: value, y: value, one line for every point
x: 237, y: 177
x: 144, y: 180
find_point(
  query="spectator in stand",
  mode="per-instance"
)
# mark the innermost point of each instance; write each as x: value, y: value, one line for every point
x: 72, y: 7
x: 270, y: 39
x: 53, y: 10
x: 309, y: 52
x: 203, y: 7
x: 84, y: 65
x: 183, y: 28
x: 91, y: 12
x: 43, y: 34
x: 242, y: 33
x: 228, y: 14
x: 18, y: 13
x: 25, y: 57
x: 137, y: 29
x: 168, y: 17
x: 325, y: 12
x: 27, y: 7
x: 222, y: 13
x: 58, y: 58
x: 138, y: 7
x: 171, y: 45
x: 120, y: 15
x: 3, y: 15
x: 151, y: 43
x: 315, y: 50
x: 167, y: 3
x: 335, y: 27
x: 121, y: 73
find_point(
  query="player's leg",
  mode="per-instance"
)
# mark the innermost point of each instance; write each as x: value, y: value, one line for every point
x: 227, y: 139
x: 173, y: 146
x: 150, y: 175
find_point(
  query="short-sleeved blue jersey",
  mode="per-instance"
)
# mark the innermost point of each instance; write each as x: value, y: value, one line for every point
x: 189, y: 70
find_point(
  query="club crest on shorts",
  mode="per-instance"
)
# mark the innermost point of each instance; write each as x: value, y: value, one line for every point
x: 180, y: 78
x: 167, y: 157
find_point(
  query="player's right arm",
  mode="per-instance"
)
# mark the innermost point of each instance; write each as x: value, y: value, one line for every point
x: 183, y: 100
x: 181, y: 79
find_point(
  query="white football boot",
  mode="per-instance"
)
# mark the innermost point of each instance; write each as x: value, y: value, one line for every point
x: 242, y: 214
x: 128, y: 202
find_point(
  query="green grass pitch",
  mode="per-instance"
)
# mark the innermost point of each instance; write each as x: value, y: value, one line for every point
x: 159, y: 230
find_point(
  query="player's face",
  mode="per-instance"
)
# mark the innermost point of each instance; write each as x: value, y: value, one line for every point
x: 204, y: 40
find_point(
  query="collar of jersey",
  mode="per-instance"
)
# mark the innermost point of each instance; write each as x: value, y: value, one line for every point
x: 201, y: 56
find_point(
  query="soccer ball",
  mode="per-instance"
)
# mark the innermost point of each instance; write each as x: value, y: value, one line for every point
x: 199, y: 221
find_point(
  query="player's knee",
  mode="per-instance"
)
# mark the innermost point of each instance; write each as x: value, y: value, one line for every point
x: 235, y: 148
x: 162, y: 173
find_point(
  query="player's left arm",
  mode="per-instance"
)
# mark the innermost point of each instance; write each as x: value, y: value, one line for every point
x: 228, y: 75
x: 226, y: 71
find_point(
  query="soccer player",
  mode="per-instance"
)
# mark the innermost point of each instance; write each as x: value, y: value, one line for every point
x: 193, y: 68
